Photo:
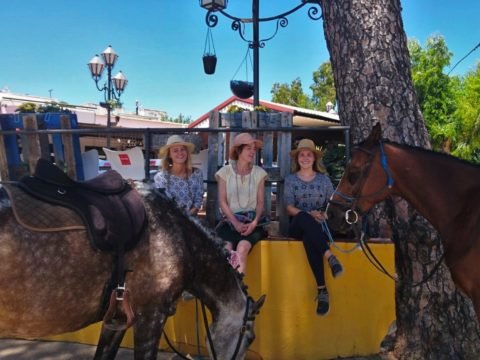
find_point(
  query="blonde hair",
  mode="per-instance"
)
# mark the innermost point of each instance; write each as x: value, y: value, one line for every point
x: 318, y: 165
x: 166, y: 162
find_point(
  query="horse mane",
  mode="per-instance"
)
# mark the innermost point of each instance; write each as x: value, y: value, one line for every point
x: 438, y: 154
x: 207, y: 238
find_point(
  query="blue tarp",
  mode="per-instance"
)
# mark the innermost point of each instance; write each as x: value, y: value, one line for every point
x: 44, y: 121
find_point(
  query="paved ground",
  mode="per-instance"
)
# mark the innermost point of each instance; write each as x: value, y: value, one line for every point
x: 51, y: 350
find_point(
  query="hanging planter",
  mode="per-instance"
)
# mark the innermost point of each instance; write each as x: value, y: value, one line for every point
x: 209, y: 57
x: 209, y: 64
x: 241, y: 89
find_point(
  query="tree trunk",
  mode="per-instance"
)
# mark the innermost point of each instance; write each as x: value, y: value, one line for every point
x: 370, y: 61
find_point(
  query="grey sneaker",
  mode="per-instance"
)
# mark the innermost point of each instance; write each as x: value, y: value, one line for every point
x: 323, y: 305
x: 335, y: 266
x: 186, y: 296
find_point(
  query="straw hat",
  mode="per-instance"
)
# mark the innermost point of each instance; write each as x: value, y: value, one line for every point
x: 175, y: 140
x: 308, y: 145
x: 243, y: 139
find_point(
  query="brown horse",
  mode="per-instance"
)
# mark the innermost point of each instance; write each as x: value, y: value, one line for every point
x: 445, y: 190
x: 52, y: 282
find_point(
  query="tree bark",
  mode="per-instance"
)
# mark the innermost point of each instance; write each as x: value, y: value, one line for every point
x: 371, y: 66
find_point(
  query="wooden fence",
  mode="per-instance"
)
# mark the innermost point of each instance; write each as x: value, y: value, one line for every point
x: 275, y: 129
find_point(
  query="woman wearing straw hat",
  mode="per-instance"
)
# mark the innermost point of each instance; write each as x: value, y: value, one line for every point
x: 241, y: 188
x: 306, y: 194
x: 181, y: 181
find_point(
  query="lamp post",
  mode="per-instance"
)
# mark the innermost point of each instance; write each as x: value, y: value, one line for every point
x: 113, y: 87
x: 238, y: 24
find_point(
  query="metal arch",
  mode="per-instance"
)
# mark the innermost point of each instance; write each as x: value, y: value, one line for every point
x: 238, y: 24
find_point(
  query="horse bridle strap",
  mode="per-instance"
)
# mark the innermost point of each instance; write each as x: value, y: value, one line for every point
x: 243, y: 329
x: 352, y: 200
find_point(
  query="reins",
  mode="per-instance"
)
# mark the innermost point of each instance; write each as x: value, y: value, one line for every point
x: 243, y: 329
x: 353, y: 211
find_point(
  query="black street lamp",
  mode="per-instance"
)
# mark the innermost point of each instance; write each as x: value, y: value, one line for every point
x: 256, y: 43
x: 113, y: 87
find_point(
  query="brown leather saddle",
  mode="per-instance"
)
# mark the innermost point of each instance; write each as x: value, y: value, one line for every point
x: 112, y: 212
x: 114, y: 216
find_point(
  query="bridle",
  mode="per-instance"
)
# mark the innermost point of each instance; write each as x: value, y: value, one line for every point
x: 350, y: 202
x: 243, y: 329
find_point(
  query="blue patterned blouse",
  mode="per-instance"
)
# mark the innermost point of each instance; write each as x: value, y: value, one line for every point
x: 187, y: 192
x: 308, y: 195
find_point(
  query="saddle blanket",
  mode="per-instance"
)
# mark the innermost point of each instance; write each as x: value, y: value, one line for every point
x: 38, y: 215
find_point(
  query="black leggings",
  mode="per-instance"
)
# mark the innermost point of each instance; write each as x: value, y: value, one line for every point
x: 315, y: 242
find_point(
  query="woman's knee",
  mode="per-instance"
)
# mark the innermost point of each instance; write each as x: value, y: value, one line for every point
x: 244, y: 247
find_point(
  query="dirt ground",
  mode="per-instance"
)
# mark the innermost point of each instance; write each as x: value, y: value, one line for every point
x: 50, y: 350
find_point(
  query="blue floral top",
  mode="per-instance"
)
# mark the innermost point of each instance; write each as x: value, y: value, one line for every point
x: 307, y: 195
x: 187, y: 192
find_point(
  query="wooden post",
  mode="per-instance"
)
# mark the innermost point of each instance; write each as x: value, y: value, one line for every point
x: 67, y: 140
x: 4, y: 176
x: 215, y: 160
x: 284, y: 144
x: 31, y: 143
x: 267, y: 157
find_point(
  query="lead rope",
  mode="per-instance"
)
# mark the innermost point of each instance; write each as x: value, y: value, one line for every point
x: 378, y: 264
x: 326, y: 230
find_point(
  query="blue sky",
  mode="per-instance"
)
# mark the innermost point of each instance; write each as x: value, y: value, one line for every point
x: 47, y: 44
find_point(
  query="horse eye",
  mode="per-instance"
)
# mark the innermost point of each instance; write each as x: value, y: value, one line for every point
x: 353, y: 177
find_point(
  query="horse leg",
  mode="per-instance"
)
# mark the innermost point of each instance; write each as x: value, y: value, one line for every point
x: 108, y: 344
x: 147, y: 332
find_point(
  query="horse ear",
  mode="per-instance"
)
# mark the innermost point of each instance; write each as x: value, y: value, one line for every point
x: 258, y: 304
x: 376, y: 134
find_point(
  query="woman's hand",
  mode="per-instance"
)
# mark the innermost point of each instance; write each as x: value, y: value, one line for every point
x: 249, y: 227
x: 239, y: 226
x: 319, y: 216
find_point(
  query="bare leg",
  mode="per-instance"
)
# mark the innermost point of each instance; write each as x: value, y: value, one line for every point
x: 243, y: 248
x: 228, y: 245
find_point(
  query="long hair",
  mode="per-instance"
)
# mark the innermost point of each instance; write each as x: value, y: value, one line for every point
x: 317, y: 165
x: 167, y: 162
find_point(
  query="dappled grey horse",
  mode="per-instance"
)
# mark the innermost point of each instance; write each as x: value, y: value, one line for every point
x: 53, y: 282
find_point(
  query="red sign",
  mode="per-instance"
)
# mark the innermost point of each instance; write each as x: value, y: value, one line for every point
x: 124, y: 159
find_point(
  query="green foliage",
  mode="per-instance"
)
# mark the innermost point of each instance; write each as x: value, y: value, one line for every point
x: 30, y: 107
x: 235, y: 109
x: 114, y: 104
x: 291, y: 94
x: 180, y: 119
x: 54, y: 107
x: 323, y: 87
x: 435, y: 90
x: 334, y: 161
x: 466, y: 142
x: 27, y: 107
x: 262, y: 108
x: 450, y: 105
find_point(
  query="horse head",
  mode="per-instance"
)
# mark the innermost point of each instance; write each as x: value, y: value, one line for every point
x: 232, y: 336
x: 365, y: 182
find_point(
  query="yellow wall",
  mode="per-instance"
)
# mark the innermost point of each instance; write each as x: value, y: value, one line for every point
x: 361, y: 306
